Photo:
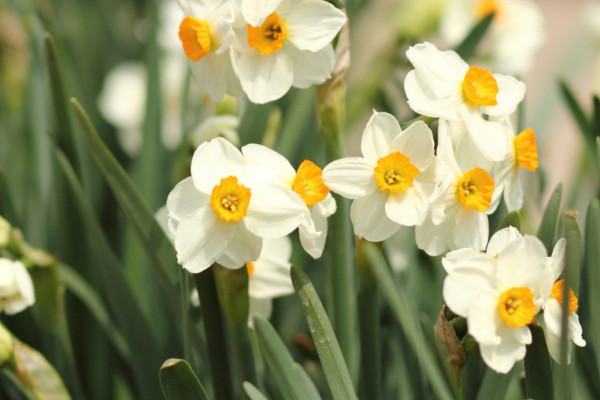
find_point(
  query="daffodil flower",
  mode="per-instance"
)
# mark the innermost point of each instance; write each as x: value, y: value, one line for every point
x: 306, y: 183
x: 224, y: 210
x: 392, y: 182
x: 284, y: 43
x: 443, y: 85
x: 16, y: 287
x: 499, y: 293
x: 206, y: 34
x: 464, y: 197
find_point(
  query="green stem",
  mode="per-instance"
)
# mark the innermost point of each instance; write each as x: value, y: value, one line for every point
x: 214, y: 328
x: 369, y: 327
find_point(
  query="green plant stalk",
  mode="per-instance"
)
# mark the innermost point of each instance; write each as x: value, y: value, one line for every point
x: 538, y: 375
x: 232, y: 290
x: 214, y: 328
x: 185, y: 314
x: 340, y: 271
x: 592, y: 260
x: 369, y: 327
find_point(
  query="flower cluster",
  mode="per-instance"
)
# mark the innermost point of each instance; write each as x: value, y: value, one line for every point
x: 260, y: 48
x: 501, y: 291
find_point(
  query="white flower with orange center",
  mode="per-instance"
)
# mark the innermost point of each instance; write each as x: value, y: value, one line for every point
x: 499, y: 293
x: 224, y: 210
x: 392, y: 182
x: 284, y: 43
x: 464, y: 197
x: 307, y: 184
x: 206, y: 34
x: 16, y: 287
x: 515, y: 35
x: 443, y: 85
x: 522, y: 154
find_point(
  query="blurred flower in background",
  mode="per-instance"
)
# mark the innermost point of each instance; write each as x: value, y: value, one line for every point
x: 16, y: 287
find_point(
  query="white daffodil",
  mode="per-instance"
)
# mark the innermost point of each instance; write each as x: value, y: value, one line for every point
x: 464, y: 197
x: 16, y: 287
x: 553, y: 307
x: 206, y: 34
x: 284, y: 43
x: 307, y: 184
x: 5, y: 232
x: 224, y: 210
x: 522, y: 154
x: 498, y: 292
x: 443, y: 85
x: 218, y: 125
x: 515, y: 35
x: 392, y: 182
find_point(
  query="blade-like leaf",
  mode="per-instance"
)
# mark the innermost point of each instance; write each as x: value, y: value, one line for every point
x: 547, y: 229
x: 252, y: 392
x: 469, y: 45
x: 592, y: 262
x: 179, y: 382
x: 538, y: 375
x: 513, y: 218
x: 576, y: 110
x: 409, y: 323
x: 325, y: 341
x: 291, y: 379
x: 494, y: 386
x: 7, y: 209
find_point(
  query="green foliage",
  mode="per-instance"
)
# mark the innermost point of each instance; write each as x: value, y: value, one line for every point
x: 179, y: 382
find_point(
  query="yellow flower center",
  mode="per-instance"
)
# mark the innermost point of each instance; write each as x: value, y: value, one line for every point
x: 250, y: 268
x: 483, y: 8
x: 309, y: 184
x: 526, y: 154
x: 480, y: 87
x: 395, y: 173
x: 195, y: 37
x: 516, y: 307
x: 230, y: 200
x: 269, y: 37
x: 558, y: 290
x: 475, y: 189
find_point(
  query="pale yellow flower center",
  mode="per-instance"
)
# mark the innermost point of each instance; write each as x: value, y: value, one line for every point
x: 483, y: 8
x: 309, y: 184
x: 480, y: 87
x: 267, y: 38
x: 195, y: 37
x: 516, y: 307
x: 230, y: 199
x: 474, y: 190
x: 526, y: 154
x: 558, y: 290
x: 395, y: 173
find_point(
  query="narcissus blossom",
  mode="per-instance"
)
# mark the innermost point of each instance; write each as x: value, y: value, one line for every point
x: 443, y: 85
x: 392, y: 182
x: 499, y: 293
x: 16, y: 287
x: 284, y: 43
x: 464, y: 197
x: 224, y: 210
x: 306, y: 183
x: 206, y: 34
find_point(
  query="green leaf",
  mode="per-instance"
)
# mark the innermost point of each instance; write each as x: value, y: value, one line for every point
x: 330, y: 354
x: 576, y: 110
x: 495, y: 386
x: 252, y: 392
x: 409, y: 323
x: 179, y: 382
x: 538, y: 374
x: 291, y: 379
x: 136, y: 210
x: 469, y: 45
x: 592, y: 262
x: 547, y: 229
x: 513, y: 218
x: 7, y: 210
x: 128, y: 313
x: 594, y: 131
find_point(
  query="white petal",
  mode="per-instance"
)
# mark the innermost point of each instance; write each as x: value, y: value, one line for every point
x: 311, y: 68
x: 377, y: 137
x: 433, y: 238
x: 416, y: 142
x: 210, y: 75
x: 243, y: 247
x: 352, y: 177
x: 271, y: 161
x: 274, y: 211
x: 200, y: 239
x: 501, y: 358
x: 422, y: 99
x: 255, y: 11
x: 213, y: 161
x: 471, y: 230
x: 408, y: 208
x: 557, y: 259
x: 483, y: 320
x: 575, y: 330
x: 263, y: 78
x: 510, y: 94
x: 262, y: 307
x: 369, y: 218
x: 513, y: 192
x: 312, y: 24
x: 492, y: 138
x: 314, y: 244
x: 326, y: 207
x: 185, y: 199
x: 522, y: 263
x: 501, y: 239
x: 26, y: 293
x: 270, y: 280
